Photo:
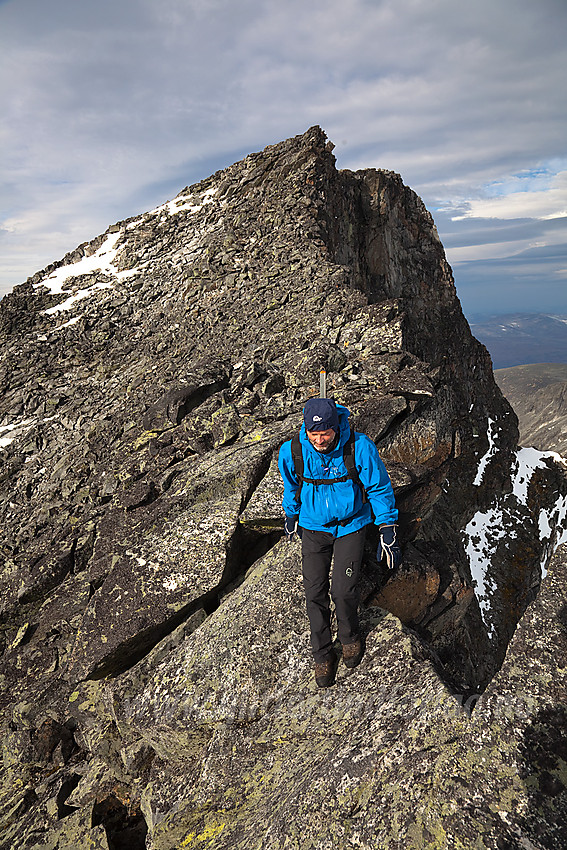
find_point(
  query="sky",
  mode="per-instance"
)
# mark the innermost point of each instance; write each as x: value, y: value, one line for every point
x: 110, y: 107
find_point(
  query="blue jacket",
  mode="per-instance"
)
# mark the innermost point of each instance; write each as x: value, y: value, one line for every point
x: 324, y: 506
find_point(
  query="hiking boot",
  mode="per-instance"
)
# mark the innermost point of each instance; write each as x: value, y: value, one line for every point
x: 324, y: 673
x: 352, y: 653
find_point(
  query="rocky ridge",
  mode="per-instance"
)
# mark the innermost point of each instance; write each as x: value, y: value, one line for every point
x: 156, y: 680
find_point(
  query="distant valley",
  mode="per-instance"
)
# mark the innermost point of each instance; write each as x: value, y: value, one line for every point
x: 517, y: 339
x: 538, y: 394
x: 529, y: 356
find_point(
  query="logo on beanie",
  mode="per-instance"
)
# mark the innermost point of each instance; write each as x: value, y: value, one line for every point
x: 317, y: 419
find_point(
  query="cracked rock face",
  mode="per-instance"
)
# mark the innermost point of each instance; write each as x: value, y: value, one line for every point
x: 156, y: 679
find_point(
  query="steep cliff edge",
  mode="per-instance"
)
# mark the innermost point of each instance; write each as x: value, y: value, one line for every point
x: 156, y: 673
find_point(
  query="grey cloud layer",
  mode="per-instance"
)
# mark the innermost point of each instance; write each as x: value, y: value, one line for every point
x: 113, y: 107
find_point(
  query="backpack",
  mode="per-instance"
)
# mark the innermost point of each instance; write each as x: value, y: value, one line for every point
x: 348, y: 458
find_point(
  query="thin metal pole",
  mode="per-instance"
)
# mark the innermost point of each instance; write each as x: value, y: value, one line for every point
x: 323, y: 384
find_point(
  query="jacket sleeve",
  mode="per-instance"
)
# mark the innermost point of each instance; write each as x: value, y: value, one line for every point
x: 290, y: 503
x: 376, y: 480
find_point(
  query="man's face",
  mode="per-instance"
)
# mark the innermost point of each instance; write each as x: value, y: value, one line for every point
x: 321, y: 440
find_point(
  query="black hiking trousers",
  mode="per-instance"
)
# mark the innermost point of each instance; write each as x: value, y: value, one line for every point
x: 318, y: 549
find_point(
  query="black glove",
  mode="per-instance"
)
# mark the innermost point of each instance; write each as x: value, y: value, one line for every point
x: 389, y: 548
x: 291, y: 528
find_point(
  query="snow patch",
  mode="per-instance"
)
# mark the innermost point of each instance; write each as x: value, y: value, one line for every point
x: 78, y: 296
x: 483, y: 463
x: 15, y: 426
x: 18, y: 429
x: 483, y: 533
x: 192, y: 205
x: 102, y: 261
x: 487, y: 528
x: 528, y: 460
x: 553, y: 528
x: 68, y: 324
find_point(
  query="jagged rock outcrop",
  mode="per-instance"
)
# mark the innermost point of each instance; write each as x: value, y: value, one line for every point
x: 156, y: 684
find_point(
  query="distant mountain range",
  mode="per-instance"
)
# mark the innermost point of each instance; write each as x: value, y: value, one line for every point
x: 518, y: 339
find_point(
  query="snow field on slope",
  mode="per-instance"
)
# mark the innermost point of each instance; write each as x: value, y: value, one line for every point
x: 487, y: 528
x: 104, y: 259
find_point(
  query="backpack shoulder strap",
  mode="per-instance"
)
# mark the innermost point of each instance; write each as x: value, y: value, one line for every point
x: 297, y: 457
x: 350, y: 463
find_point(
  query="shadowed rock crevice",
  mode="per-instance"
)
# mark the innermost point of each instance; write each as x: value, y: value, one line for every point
x: 132, y: 650
x: 179, y: 402
x: 48, y: 571
x: 124, y: 830
x: 67, y: 787
x: 242, y: 549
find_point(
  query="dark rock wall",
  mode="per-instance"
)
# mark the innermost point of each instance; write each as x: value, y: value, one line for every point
x: 150, y: 610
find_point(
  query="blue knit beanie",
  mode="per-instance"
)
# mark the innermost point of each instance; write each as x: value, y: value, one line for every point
x: 319, y: 414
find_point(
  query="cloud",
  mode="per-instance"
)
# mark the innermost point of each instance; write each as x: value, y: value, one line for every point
x: 528, y: 280
x: 502, y: 239
x: 546, y: 203
x: 110, y: 108
x: 499, y: 263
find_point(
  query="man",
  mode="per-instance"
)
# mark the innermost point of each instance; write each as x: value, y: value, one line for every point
x: 325, y: 504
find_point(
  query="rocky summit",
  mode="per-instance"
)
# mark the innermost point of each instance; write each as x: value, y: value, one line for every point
x: 156, y: 683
